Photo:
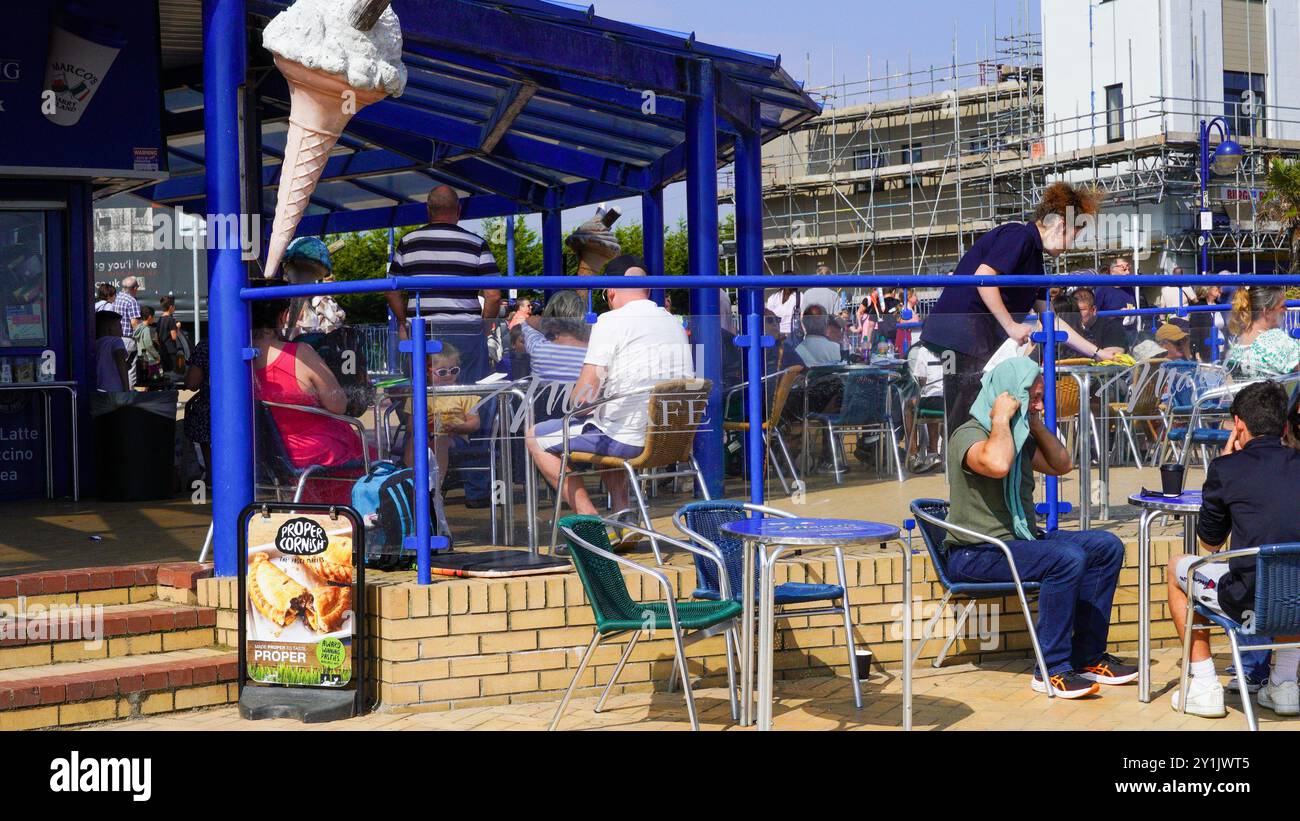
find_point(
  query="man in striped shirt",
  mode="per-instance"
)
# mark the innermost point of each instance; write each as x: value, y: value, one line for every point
x: 443, y: 248
x: 454, y: 316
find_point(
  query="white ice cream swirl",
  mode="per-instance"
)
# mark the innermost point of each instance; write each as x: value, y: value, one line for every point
x: 317, y: 34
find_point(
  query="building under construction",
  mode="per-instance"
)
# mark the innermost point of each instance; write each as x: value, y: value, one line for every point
x: 902, y: 172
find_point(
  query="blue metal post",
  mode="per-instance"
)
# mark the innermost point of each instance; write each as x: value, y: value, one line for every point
x: 1048, y: 339
x: 652, y: 237
x: 552, y: 244
x: 749, y: 260
x: 1204, y: 202
x: 510, y: 245
x: 420, y: 432
x: 392, y: 317
x: 224, y: 66
x: 702, y: 219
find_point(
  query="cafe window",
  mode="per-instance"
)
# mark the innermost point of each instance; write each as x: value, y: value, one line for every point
x: 1243, y: 103
x: 23, y: 303
x: 1115, y: 113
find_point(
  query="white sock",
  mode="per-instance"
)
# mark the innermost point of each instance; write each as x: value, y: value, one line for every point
x: 1284, y: 666
x: 1203, y: 671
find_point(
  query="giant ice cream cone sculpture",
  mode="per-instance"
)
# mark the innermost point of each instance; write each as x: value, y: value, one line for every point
x: 333, y: 71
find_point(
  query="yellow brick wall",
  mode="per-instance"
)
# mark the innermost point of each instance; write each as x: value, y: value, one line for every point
x: 476, y: 642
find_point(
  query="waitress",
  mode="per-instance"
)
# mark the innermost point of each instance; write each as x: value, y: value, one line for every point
x: 968, y: 324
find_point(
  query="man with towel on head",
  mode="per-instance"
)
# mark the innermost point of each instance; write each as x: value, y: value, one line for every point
x: 991, y: 462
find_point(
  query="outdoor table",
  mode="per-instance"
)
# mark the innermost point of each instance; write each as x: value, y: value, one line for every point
x: 769, y: 538
x: 45, y: 389
x: 518, y: 390
x: 1082, y: 374
x: 1185, y: 506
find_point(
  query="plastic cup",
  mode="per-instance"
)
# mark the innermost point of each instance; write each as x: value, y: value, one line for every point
x: 1171, y: 479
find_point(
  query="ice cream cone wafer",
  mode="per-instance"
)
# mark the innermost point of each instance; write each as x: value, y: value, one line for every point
x: 320, y: 106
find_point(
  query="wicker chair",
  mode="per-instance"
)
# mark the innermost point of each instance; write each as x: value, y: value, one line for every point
x: 670, y: 434
x: 1143, y: 405
x: 785, y: 382
x: 616, y: 612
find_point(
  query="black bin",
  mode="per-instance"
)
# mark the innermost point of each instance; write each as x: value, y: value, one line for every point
x: 135, y: 445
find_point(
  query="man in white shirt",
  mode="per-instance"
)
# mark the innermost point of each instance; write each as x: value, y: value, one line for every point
x: 817, y: 348
x: 927, y: 372
x: 1169, y: 293
x: 827, y: 298
x: 632, y: 346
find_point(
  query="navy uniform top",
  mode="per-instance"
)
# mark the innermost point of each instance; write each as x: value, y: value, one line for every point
x: 1114, y: 298
x: 960, y: 321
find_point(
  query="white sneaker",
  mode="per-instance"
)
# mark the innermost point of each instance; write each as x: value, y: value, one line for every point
x: 1204, y: 699
x: 1283, y: 699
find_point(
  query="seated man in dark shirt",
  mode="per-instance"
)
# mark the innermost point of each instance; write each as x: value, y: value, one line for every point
x: 1250, y: 493
x: 1102, y: 331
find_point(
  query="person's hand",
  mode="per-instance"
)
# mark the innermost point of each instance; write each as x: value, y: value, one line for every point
x: 1005, y: 407
x: 1020, y: 332
x: 1233, y: 444
x: 1108, y: 353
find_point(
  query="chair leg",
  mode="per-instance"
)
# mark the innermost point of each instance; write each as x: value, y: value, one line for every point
x: 645, y: 510
x: 1033, y: 639
x: 680, y: 650
x: 207, y: 544
x: 1246, y: 706
x: 582, y: 666
x: 699, y: 482
x: 731, y: 675
x: 848, y: 631
x: 835, y: 457
x: 789, y: 461
x: 956, y: 631
x: 929, y: 626
x: 559, y: 500
x: 600, y: 705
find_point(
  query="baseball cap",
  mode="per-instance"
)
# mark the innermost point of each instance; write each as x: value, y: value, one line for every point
x: 1169, y: 332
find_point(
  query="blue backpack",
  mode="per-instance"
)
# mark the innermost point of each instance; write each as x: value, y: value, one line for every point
x: 385, y: 500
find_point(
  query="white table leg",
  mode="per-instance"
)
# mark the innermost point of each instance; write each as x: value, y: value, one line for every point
x: 1144, y: 604
x: 747, y: 637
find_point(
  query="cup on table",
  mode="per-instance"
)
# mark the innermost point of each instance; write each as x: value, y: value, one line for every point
x: 1171, y: 479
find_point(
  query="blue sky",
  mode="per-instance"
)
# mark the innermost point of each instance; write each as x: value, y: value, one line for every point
x: 821, y: 40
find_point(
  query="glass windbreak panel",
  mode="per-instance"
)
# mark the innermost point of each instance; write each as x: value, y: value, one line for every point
x: 23, y: 273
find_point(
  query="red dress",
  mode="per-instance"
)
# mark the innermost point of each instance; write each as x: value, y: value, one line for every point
x: 308, y: 439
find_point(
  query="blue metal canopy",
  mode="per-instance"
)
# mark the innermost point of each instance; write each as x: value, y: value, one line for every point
x: 521, y: 105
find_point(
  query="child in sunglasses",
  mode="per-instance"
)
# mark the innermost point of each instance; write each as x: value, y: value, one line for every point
x: 450, y: 417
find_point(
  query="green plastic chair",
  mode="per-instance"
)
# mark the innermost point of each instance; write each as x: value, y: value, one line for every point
x: 616, y: 612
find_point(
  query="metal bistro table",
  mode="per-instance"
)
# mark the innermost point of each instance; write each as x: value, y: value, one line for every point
x: 45, y: 388
x: 769, y: 538
x: 1083, y: 374
x: 1186, y: 506
x: 385, y: 397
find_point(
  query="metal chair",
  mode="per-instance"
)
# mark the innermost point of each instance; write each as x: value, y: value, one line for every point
x: 785, y: 381
x: 670, y: 433
x: 616, y: 612
x: 702, y: 523
x: 864, y: 409
x: 1143, y: 405
x: 277, y: 472
x: 932, y: 519
x: 1276, y: 611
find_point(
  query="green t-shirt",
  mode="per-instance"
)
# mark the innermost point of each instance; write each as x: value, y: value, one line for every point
x: 977, y: 502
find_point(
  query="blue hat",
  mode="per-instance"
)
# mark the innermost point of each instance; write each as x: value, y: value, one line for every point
x: 311, y: 249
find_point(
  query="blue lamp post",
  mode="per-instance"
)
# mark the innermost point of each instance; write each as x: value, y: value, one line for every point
x: 1225, y: 160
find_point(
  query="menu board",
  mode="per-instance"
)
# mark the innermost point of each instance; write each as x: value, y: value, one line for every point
x: 300, y: 586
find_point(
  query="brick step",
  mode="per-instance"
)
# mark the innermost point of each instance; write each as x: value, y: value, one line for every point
x: 53, y: 634
x: 123, y: 584
x: 68, y: 693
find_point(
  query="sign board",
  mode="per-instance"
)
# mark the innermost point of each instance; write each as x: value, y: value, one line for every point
x: 301, y: 591
x: 22, y: 441
x: 79, y: 89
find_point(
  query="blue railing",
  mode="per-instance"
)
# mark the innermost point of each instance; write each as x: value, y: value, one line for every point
x: 751, y: 310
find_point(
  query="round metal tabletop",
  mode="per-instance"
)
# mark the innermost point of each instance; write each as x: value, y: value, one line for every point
x: 1189, y: 501
x: 811, y: 531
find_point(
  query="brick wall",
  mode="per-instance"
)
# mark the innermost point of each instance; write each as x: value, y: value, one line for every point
x: 476, y: 642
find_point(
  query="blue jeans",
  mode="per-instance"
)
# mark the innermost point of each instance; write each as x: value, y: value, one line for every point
x: 1256, y: 662
x: 1077, y: 571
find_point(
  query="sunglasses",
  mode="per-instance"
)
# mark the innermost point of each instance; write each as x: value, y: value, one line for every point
x: 445, y: 372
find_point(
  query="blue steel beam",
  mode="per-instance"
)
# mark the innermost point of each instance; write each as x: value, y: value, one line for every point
x: 749, y: 260
x: 232, y: 393
x: 652, y: 237
x: 702, y: 219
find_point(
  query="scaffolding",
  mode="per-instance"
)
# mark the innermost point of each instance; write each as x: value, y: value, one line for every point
x: 902, y: 172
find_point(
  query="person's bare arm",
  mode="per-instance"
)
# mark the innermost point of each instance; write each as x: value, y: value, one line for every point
x: 1075, y: 339
x: 331, y: 394
x: 587, y: 388
x: 992, y: 299
x: 995, y: 455
x: 491, y: 309
x: 1052, y: 458
x: 397, y: 304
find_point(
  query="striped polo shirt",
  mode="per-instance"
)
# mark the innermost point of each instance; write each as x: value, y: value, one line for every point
x: 443, y: 249
x: 552, y: 361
